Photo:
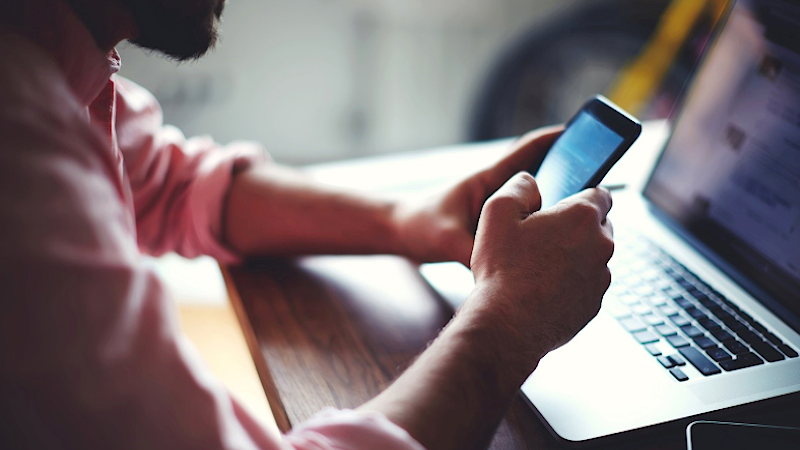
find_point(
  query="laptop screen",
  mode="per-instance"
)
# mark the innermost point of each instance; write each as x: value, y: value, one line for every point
x: 730, y: 173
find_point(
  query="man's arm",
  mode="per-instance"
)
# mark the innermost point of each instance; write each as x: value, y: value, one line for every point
x: 275, y: 210
x: 540, y: 276
x: 194, y: 197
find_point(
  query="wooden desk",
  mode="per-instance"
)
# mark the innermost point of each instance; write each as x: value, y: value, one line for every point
x: 335, y: 331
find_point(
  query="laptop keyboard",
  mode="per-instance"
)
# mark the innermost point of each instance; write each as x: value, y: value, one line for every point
x: 681, y: 320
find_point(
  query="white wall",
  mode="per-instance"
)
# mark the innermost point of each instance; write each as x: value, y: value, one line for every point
x: 326, y: 79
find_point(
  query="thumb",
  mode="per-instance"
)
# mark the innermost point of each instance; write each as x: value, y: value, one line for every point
x: 526, y: 154
x: 516, y: 199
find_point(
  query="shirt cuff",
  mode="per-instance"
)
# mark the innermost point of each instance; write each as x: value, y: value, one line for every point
x: 347, y: 429
x: 210, y: 191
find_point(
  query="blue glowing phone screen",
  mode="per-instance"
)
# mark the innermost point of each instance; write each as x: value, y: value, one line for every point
x: 574, y: 158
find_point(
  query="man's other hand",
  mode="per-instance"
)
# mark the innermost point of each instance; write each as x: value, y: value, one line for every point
x: 540, y: 275
x: 443, y: 228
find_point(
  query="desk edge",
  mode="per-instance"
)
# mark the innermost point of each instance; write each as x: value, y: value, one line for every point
x: 267, y: 383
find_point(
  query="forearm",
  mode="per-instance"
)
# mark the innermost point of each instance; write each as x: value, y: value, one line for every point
x: 273, y: 210
x: 459, y: 389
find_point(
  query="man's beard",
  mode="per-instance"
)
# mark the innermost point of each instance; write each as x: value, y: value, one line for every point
x: 181, y: 29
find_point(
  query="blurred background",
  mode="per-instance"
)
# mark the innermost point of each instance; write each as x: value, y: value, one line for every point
x: 321, y: 80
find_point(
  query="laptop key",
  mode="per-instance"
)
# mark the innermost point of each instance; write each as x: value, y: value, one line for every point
x: 696, y: 293
x: 721, y: 335
x: 738, y: 327
x: 677, y: 341
x: 710, y: 305
x: 678, y: 374
x: 692, y: 331
x: 682, y: 302
x: 667, y: 310
x: 696, y: 313
x: 788, y: 351
x: 723, y: 315
x: 632, y: 324
x: 730, y: 304
x: 735, y: 347
x: 645, y: 337
x: 749, y: 337
x: 718, y: 354
x: 775, y: 340
x: 652, y: 349
x: 767, y: 351
x: 704, y: 342
x: 700, y: 362
x: 665, y: 361
x: 741, y: 361
x: 677, y: 360
x: 735, y: 324
x: 665, y: 330
x: 708, y: 324
x: 679, y: 320
x: 652, y: 319
x: 656, y: 301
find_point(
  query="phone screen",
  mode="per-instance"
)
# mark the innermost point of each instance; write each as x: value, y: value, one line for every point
x: 575, y: 158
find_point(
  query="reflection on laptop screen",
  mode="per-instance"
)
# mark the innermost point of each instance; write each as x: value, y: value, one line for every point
x: 731, y: 171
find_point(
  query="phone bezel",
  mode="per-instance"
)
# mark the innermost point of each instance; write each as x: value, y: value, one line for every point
x: 618, y: 121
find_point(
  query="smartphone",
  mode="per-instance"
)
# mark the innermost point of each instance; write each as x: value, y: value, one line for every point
x: 592, y: 142
x: 709, y: 435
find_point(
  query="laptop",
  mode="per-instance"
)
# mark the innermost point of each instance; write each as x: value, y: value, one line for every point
x: 704, y: 310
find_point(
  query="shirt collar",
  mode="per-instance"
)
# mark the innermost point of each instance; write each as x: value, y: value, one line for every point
x: 54, y: 26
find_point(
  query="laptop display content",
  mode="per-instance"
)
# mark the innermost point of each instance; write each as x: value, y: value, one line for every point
x: 730, y: 174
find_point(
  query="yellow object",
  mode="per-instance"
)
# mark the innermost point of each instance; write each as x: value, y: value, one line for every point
x: 638, y: 81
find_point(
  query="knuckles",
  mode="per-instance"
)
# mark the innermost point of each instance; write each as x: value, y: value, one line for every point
x: 607, y: 278
x: 607, y: 247
x: 585, y: 214
x: 500, y: 204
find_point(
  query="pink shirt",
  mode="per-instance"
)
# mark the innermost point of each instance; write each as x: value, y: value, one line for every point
x: 91, y: 355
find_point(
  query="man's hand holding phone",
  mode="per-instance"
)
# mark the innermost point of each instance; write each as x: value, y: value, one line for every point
x: 540, y: 274
x: 543, y: 256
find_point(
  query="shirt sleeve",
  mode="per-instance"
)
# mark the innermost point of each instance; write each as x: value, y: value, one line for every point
x: 91, y: 355
x: 179, y: 185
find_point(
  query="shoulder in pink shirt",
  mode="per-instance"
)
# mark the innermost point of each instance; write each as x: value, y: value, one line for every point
x: 90, y: 352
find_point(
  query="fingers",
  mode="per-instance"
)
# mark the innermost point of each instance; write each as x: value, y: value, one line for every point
x: 598, y: 198
x: 608, y: 235
x: 517, y: 198
x: 608, y: 229
x: 526, y: 154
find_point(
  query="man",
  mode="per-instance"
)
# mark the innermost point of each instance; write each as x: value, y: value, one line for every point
x: 90, y: 177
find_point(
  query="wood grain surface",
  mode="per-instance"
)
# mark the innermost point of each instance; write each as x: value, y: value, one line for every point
x: 335, y: 331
